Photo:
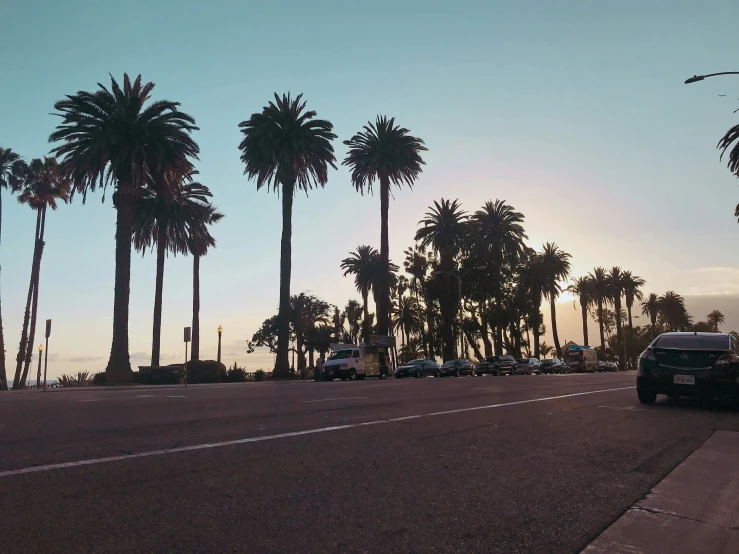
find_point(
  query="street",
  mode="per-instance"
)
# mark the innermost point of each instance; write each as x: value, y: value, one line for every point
x: 535, y: 464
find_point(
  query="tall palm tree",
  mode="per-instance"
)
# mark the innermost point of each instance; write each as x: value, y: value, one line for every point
x: 650, y: 308
x: 616, y: 284
x: 364, y: 264
x: 632, y: 292
x: 672, y: 311
x: 408, y: 317
x: 287, y: 149
x: 556, y: 267
x: 387, y: 153
x: 725, y: 144
x: 12, y: 171
x: 45, y: 184
x: 498, y: 233
x: 114, y: 137
x: 199, y: 241
x: 417, y: 264
x: 714, y: 319
x: 445, y: 230
x: 601, y: 296
x: 582, y: 287
x: 355, y: 320
x: 162, y: 222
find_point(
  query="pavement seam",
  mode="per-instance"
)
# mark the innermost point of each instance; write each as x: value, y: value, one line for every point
x: 655, y: 511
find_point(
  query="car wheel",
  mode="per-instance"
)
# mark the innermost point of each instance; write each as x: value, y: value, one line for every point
x: 352, y: 374
x: 418, y: 374
x: 383, y: 375
x: 456, y: 373
x: 437, y: 374
x: 646, y: 397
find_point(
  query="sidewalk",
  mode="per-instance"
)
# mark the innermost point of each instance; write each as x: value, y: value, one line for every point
x: 694, y: 510
x: 109, y: 388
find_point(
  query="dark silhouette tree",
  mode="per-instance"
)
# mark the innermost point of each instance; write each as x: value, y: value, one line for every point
x: 601, y: 297
x: 287, y: 149
x: 650, y: 308
x: 115, y: 137
x: 389, y: 154
x: 555, y: 264
x: 365, y: 265
x: 582, y: 287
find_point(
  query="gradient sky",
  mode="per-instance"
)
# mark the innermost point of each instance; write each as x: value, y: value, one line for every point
x: 575, y: 113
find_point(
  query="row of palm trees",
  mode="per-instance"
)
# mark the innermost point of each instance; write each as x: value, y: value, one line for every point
x: 146, y: 153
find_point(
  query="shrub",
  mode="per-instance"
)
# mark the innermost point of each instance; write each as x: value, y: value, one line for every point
x: 236, y: 375
x: 205, y: 371
x: 259, y: 375
x: 167, y: 375
x: 82, y: 379
x: 99, y: 379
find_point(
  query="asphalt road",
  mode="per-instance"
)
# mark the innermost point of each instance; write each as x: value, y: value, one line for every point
x: 534, y: 464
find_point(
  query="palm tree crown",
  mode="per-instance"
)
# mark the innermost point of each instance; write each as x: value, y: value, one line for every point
x: 444, y: 229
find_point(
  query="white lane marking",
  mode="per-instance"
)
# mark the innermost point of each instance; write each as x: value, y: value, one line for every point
x: 145, y: 396
x: 329, y: 399
x: 488, y: 388
x: 624, y: 408
x: 177, y: 396
x: 94, y: 461
x: 94, y: 399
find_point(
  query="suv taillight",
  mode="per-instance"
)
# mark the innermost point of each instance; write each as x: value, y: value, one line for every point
x: 648, y: 355
x: 726, y: 359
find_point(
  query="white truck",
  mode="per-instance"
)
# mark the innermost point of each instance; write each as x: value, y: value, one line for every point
x: 354, y: 361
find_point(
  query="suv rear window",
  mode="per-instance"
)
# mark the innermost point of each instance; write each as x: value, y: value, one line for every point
x: 507, y: 358
x: 694, y: 342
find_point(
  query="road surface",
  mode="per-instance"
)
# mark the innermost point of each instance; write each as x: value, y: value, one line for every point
x: 530, y: 464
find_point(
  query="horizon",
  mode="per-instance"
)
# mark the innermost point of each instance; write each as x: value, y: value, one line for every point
x: 590, y: 117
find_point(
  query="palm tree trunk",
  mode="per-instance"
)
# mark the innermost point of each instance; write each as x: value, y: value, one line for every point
x: 528, y: 341
x: 555, y: 335
x: 34, y: 307
x: 3, y: 374
x: 365, y: 314
x: 447, y: 317
x: 654, y: 326
x: 584, y: 309
x: 471, y: 341
x: 536, y: 330
x: 118, y: 370
x: 487, y: 345
x: 383, y: 317
x: 157, y: 327
x: 600, y: 325
x: 430, y: 333
x: 17, y: 383
x: 619, y: 331
x: 282, y: 364
x: 195, y: 352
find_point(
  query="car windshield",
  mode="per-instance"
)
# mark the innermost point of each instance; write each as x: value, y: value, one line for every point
x: 547, y: 362
x: 341, y: 355
x: 693, y: 342
x: 415, y: 362
x: 523, y: 361
x: 450, y: 363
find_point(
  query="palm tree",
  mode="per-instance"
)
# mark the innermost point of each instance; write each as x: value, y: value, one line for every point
x: 582, y: 287
x: 408, y: 317
x: 114, y: 137
x: 672, y: 311
x: 616, y: 283
x: 287, y: 149
x: 498, y: 232
x: 364, y: 264
x: 545, y: 350
x: 199, y: 241
x: 556, y: 267
x: 45, y: 183
x: 632, y: 285
x: 601, y: 296
x: 445, y: 230
x: 12, y: 171
x: 731, y: 138
x: 355, y: 320
x: 714, y: 319
x: 417, y: 264
x: 163, y: 222
x: 389, y: 154
x: 650, y: 308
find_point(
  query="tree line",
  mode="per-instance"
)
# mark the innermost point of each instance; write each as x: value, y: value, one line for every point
x: 118, y: 137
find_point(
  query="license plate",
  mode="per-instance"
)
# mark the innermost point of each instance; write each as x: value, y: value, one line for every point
x: 684, y: 379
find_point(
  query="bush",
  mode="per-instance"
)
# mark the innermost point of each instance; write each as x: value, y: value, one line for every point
x: 167, y: 375
x: 99, y: 379
x: 236, y: 375
x: 205, y: 371
x: 259, y: 375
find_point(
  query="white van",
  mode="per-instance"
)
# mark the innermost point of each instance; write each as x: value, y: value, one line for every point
x: 352, y: 361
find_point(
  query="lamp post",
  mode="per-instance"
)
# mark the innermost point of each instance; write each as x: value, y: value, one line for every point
x: 696, y: 78
x: 461, y: 303
x: 220, y: 332
x: 38, y: 374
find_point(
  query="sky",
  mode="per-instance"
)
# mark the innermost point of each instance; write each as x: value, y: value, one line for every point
x: 574, y: 112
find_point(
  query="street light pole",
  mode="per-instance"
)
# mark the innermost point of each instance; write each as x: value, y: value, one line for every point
x: 220, y: 332
x: 38, y: 374
x: 696, y: 78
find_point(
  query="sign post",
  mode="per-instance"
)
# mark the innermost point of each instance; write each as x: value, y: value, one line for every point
x: 46, y: 356
x: 187, y: 339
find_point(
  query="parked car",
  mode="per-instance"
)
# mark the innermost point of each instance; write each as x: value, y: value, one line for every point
x: 527, y: 366
x: 418, y: 368
x: 457, y: 368
x: 704, y: 365
x: 555, y: 365
x: 496, y: 365
x: 607, y: 366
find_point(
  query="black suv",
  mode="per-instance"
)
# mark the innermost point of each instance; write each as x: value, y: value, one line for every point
x: 496, y: 365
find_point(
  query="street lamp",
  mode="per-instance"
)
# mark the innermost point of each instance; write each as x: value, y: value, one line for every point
x: 696, y: 78
x: 220, y: 332
x: 38, y: 374
x: 461, y: 304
